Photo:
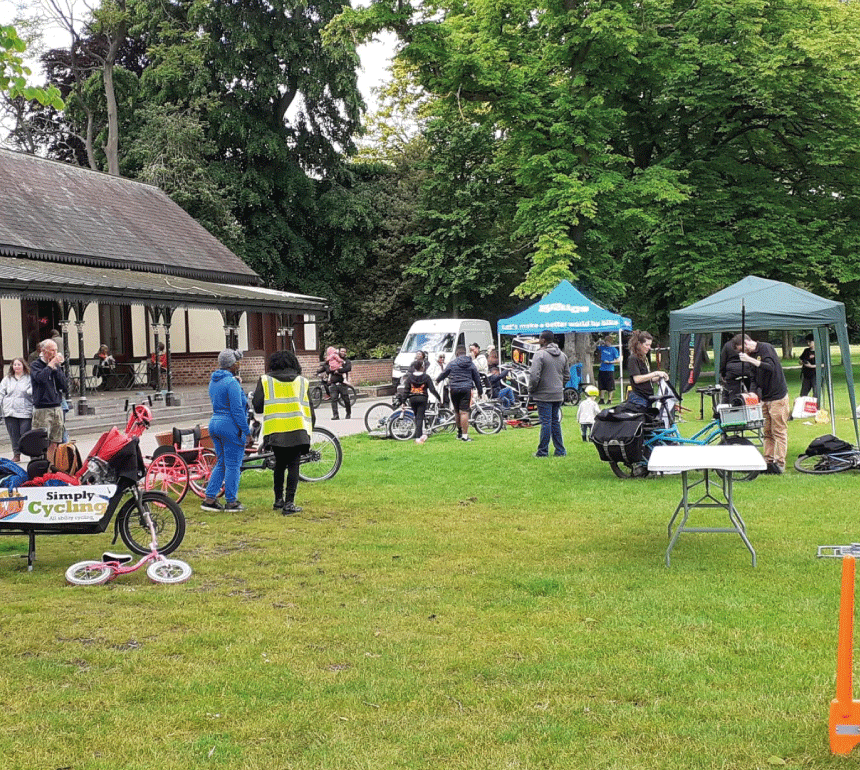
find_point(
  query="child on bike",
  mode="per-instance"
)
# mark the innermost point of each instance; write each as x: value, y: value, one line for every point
x: 417, y: 386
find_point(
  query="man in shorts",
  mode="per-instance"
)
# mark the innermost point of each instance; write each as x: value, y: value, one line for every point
x: 462, y: 375
x: 49, y: 383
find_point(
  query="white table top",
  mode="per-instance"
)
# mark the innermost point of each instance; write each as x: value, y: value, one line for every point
x: 721, y: 457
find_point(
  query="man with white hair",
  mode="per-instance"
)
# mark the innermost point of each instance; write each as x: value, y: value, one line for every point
x: 49, y: 383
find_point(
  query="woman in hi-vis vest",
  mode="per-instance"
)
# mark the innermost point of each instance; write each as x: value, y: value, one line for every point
x: 281, y: 398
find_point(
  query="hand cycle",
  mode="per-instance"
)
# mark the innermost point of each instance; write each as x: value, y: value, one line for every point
x: 105, y: 485
x: 664, y: 432
x: 176, y: 468
x: 160, y: 569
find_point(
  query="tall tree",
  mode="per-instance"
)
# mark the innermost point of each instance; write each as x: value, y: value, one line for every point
x: 660, y: 150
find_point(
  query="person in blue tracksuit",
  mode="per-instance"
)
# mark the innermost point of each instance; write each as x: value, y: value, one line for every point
x: 228, y: 430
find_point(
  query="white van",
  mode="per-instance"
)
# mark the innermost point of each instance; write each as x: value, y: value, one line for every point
x: 440, y: 335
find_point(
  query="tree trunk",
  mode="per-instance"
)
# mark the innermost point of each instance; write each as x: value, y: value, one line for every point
x: 111, y: 147
x: 787, y: 351
x: 579, y: 349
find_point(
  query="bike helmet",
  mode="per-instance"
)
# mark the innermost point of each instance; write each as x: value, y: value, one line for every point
x: 139, y: 420
x: 590, y: 390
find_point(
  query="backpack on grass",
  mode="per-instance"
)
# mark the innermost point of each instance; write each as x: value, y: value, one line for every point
x: 827, y: 444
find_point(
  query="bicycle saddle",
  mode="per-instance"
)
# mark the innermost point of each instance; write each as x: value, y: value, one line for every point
x: 121, y: 558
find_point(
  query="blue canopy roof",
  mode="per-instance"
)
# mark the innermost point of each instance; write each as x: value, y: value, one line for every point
x: 563, y: 310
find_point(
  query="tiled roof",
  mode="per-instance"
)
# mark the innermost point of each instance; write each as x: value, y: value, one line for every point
x: 62, y: 213
x: 34, y: 279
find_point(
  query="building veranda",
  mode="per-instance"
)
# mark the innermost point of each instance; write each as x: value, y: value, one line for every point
x: 107, y: 260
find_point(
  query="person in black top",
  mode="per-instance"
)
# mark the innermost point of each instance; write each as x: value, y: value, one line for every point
x: 807, y: 372
x: 417, y: 386
x: 641, y: 378
x: 49, y: 384
x: 769, y: 377
x: 337, y: 389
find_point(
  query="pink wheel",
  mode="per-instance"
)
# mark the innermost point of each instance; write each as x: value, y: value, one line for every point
x: 168, y: 473
x: 199, y: 473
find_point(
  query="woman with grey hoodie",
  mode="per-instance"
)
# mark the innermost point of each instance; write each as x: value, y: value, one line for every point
x: 549, y: 371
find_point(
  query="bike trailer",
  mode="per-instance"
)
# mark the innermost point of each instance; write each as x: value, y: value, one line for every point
x: 618, y: 434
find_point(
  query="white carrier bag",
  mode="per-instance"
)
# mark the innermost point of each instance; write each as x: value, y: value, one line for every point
x: 804, y: 406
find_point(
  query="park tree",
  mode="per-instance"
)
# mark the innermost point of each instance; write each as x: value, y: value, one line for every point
x: 14, y: 73
x: 658, y: 151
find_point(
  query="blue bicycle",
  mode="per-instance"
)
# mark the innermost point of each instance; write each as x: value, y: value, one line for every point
x: 627, y: 449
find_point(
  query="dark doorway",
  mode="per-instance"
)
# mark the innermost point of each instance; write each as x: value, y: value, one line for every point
x: 40, y: 318
x: 115, y: 330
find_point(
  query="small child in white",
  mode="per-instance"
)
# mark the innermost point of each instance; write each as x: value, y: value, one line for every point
x: 588, y: 410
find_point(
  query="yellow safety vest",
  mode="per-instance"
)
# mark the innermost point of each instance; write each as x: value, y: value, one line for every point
x: 286, y: 408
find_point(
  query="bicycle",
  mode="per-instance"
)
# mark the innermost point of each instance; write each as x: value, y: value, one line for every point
x: 483, y: 416
x: 160, y: 570
x: 727, y: 427
x: 828, y: 454
x: 320, y: 392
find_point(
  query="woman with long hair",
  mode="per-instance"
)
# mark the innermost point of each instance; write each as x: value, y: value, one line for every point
x: 16, y: 392
x: 288, y: 421
x: 642, y: 379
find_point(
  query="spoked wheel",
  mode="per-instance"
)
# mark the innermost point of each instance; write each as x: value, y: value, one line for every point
x: 324, y: 458
x: 445, y: 421
x: 199, y: 473
x: 167, y: 518
x: 376, y: 417
x: 168, y: 473
x: 401, y: 426
x: 487, y: 420
x: 820, y: 464
x: 571, y: 396
x: 625, y: 471
x: 88, y: 573
x: 315, y: 395
x: 351, y: 392
x: 168, y: 571
x: 738, y: 440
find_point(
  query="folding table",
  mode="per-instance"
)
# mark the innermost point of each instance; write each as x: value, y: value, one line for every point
x: 718, y: 492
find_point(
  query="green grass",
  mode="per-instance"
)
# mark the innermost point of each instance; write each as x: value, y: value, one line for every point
x: 443, y: 606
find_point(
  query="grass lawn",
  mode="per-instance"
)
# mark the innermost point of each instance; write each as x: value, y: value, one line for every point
x: 444, y: 606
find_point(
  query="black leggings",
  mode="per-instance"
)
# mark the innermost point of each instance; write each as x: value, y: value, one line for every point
x: 287, y: 458
x: 419, y: 406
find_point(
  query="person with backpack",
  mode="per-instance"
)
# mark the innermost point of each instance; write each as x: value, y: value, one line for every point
x: 418, y: 384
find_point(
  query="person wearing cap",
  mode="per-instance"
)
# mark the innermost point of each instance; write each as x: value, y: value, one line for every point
x: 228, y: 430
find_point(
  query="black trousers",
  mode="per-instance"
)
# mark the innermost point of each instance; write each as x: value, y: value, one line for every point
x: 419, y: 407
x: 286, y: 459
x: 339, y: 393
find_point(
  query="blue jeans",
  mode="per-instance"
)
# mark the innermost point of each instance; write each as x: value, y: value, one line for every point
x: 550, y: 427
x: 229, y: 456
x: 506, y: 396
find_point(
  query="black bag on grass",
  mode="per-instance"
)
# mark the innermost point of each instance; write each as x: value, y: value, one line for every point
x: 618, y: 434
x: 827, y: 444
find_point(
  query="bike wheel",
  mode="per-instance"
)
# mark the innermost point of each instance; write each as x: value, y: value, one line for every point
x: 168, y: 571
x: 315, y: 395
x: 571, y: 396
x: 88, y: 573
x: 199, y: 473
x: 352, y: 393
x: 376, y: 417
x: 401, y: 426
x: 820, y: 464
x: 324, y: 458
x: 168, y: 473
x: 487, y: 420
x: 738, y: 440
x: 445, y: 421
x: 167, y: 519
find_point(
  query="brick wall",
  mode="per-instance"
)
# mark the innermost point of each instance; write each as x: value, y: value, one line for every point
x: 196, y: 370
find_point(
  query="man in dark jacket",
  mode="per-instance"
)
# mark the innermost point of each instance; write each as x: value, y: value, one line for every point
x: 549, y: 371
x: 770, y: 379
x: 462, y: 375
x: 49, y: 383
x: 337, y: 389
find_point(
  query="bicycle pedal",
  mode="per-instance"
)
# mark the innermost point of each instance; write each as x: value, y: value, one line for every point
x: 121, y: 558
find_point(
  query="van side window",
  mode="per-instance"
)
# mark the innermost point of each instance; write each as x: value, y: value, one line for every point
x: 461, y: 340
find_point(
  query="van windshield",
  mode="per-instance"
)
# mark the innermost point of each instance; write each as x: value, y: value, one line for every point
x: 437, y: 341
